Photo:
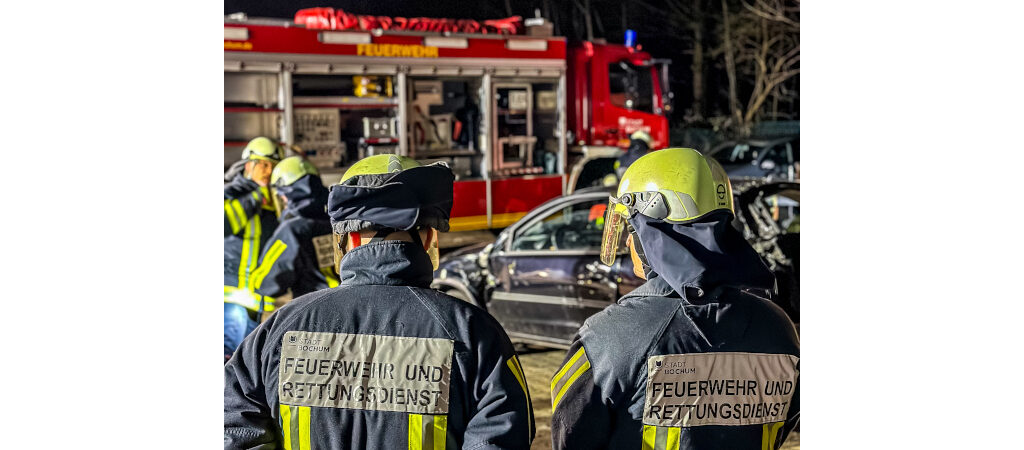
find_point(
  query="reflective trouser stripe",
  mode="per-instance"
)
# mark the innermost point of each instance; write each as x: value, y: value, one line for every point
x: 330, y: 276
x: 517, y: 370
x: 769, y: 433
x: 295, y: 427
x: 562, y: 380
x: 427, y: 432
x: 661, y: 438
x: 261, y: 272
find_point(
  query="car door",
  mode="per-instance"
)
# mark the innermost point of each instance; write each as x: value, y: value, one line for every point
x: 547, y: 274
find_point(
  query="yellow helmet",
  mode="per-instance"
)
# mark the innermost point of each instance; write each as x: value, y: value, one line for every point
x: 379, y: 165
x: 643, y: 136
x: 290, y: 170
x: 676, y: 185
x: 263, y: 148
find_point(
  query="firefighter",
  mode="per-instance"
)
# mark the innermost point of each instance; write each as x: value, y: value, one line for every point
x: 381, y: 361
x: 639, y: 145
x: 299, y: 255
x: 690, y: 359
x: 249, y: 217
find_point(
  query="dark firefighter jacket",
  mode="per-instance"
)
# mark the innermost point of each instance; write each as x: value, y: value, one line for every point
x: 332, y: 369
x: 730, y: 349
x: 247, y: 224
x: 300, y: 254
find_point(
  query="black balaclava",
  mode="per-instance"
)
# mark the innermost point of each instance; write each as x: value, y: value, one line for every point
x: 700, y: 255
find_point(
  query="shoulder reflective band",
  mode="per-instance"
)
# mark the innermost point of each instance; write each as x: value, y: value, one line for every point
x: 261, y: 272
x: 517, y: 370
x: 427, y: 432
x: 572, y: 370
x: 661, y: 438
x: 295, y: 427
x: 769, y: 433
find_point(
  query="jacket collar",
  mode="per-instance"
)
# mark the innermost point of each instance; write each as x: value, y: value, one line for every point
x: 389, y: 263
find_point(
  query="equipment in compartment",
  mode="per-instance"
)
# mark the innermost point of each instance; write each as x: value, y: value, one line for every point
x: 372, y: 86
x: 318, y: 134
x: 380, y: 127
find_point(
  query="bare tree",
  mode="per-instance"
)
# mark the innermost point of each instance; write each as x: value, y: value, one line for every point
x: 761, y: 41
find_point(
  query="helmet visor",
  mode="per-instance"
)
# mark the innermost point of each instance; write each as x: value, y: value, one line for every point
x: 614, y: 224
x: 279, y: 201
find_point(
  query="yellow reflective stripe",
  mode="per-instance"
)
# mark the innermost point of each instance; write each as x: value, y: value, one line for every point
x: 330, y: 276
x: 231, y: 217
x: 247, y: 299
x: 286, y: 426
x: 304, y: 428
x: 261, y: 272
x: 563, y: 380
x: 649, y: 437
x: 565, y: 368
x: 432, y: 438
x: 769, y: 433
x: 440, y: 432
x: 673, y: 439
x: 415, y: 432
x: 239, y: 213
x: 565, y: 388
x: 254, y: 257
x: 243, y: 265
x: 517, y: 370
x: 669, y: 438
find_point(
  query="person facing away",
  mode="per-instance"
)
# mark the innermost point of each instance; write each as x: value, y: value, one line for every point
x: 691, y: 359
x: 249, y: 218
x: 299, y: 255
x: 381, y: 361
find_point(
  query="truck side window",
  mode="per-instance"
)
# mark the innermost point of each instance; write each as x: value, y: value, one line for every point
x: 631, y: 86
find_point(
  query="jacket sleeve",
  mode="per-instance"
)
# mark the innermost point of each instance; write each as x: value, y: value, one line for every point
x: 276, y: 272
x: 248, y: 422
x: 580, y: 419
x: 237, y: 211
x: 503, y: 417
x: 793, y: 418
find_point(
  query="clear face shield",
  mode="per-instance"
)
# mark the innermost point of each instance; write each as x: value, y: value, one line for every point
x: 652, y: 204
x: 280, y: 202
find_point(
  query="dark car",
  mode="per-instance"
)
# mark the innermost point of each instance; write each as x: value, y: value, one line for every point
x: 542, y: 277
x: 772, y: 159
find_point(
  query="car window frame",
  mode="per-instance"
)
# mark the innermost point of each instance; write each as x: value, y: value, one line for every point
x: 540, y: 214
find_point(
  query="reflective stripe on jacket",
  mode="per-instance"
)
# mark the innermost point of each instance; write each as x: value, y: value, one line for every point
x: 247, y: 223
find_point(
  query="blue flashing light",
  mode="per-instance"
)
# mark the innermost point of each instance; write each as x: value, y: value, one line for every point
x: 630, y: 38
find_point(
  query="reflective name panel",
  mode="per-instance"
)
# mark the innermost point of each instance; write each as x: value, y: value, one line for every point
x: 369, y: 372
x: 719, y: 389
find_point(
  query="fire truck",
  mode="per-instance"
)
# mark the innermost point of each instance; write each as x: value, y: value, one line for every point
x: 512, y: 113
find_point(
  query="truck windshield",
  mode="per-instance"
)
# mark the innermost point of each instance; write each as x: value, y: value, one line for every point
x: 631, y: 86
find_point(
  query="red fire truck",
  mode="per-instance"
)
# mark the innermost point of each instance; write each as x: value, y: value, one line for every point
x: 510, y: 113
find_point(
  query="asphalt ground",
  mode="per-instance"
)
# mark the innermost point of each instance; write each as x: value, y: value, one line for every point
x: 540, y: 365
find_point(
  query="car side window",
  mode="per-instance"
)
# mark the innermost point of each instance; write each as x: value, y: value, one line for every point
x: 576, y: 226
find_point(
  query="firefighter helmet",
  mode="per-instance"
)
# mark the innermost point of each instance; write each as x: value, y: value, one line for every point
x: 675, y: 185
x: 264, y: 149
